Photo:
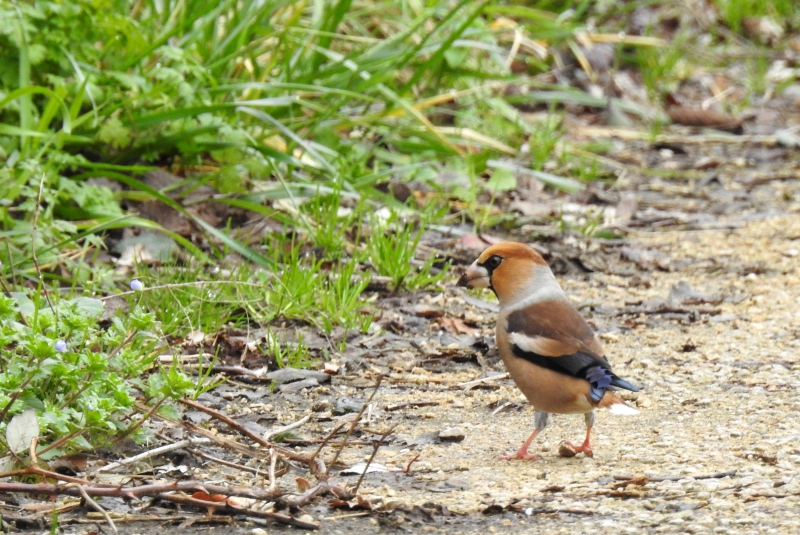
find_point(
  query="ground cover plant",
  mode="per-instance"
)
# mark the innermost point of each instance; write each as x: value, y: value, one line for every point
x: 272, y: 174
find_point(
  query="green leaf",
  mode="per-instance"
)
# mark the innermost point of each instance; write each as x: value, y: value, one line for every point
x: 114, y: 133
x: 502, y: 180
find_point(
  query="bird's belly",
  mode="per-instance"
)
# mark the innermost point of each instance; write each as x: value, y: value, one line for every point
x: 547, y: 390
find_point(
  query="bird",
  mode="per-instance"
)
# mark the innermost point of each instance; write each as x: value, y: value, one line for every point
x: 550, y: 352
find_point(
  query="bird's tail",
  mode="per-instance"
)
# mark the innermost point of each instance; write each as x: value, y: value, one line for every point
x: 615, y: 405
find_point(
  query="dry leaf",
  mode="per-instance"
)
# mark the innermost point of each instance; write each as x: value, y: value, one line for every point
x: 302, y: 484
x: 457, y: 326
x: 206, y: 497
x: 704, y: 118
x: 22, y: 430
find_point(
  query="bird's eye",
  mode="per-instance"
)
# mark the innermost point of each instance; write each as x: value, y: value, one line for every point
x: 493, y: 261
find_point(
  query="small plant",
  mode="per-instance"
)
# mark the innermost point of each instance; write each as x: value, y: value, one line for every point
x: 734, y: 12
x: 80, y: 376
x: 328, y: 223
x: 205, y: 382
x: 544, y: 140
x: 342, y: 298
x: 303, y: 290
x: 196, y: 298
x: 287, y: 355
x: 391, y: 247
x: 661, y: 68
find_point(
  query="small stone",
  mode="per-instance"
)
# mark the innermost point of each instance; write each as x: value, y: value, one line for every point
x: 287, y: 375
x: 296, y: 386
x: 566, y: 450
x: 258, y: 531
x: 344, y: 405
x: 451, y: 434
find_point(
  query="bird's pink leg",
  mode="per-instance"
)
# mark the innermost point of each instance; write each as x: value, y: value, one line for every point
x: 540, y: 419
x: 522, y: 453
x: 585, y: 448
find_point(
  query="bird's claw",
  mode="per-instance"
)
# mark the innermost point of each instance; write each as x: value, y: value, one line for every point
x: 570, y: 449
x: 520, y: 456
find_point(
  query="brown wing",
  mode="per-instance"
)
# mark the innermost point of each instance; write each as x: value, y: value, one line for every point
x: 553, y: 335
x: 558, y: 321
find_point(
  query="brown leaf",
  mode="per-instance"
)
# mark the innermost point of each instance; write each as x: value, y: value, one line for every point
x: 69, y: 464
x: 626, y: 208
x: 302, y: 484
x: 457, y: 326
x: 478, y: 242
x: 566, y: 450
x: 206, y: 497
x: 639, y: 481
x: 427, y: 311
x: 688, y: 116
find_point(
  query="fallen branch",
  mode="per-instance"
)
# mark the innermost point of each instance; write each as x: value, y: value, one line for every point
x: 172, y: 492
x: 242, y: 430
x: 154, y: 452
x: 286, y: 428
x: 357, y: 419
x: 227, y: 507
x: 483, y: 380
x: 398, y: 406
x: 656, y: 479
x: 133, y: 493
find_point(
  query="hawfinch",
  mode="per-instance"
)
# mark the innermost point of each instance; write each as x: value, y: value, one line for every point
x: 549, y: 350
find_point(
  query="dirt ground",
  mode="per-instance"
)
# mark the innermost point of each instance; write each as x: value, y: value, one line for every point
x: 714, y: 450
x: 698, y: 303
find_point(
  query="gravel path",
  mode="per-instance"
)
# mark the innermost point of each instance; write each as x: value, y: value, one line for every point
x: 715, y: 449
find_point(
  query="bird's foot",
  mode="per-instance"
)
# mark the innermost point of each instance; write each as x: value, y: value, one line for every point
x: 570, y: 449
x: 520, y: 455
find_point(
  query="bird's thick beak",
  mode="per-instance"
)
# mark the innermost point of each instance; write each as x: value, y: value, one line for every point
x: 475, y: 277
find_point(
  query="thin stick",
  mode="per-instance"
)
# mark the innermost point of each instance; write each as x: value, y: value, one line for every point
x: 220, y: 440
x: 286, y: 428
x: 216, y: 460
x: 483, y: 380
x: 150, y: 412
x: 398, y: 406
x: 349, y: 515
x: 716, y: 475
x: 33, y: 248
x: 152, y: 453
x: 129, y: 493
x: 239, y: 428
x: 13, y: 397
x: 407, y: 467
x: 355, y: 422
x: 273, y: 458
x: 95, y: 505
x: 376, y: 446
x: 327, y: 438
